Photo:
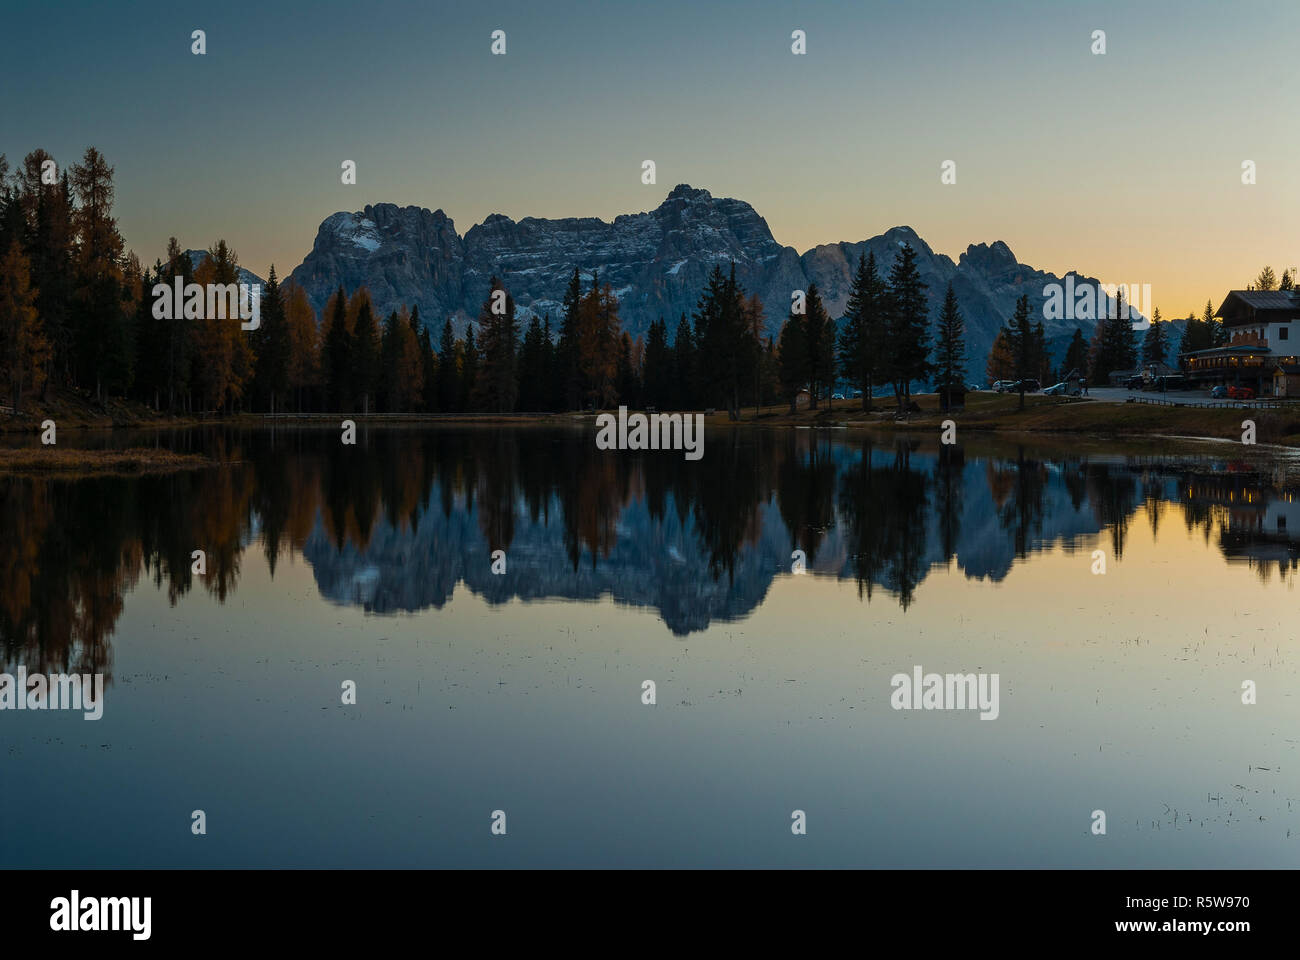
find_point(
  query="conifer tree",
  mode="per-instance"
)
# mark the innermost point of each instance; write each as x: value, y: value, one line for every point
x: 24, y: 350
x: 533, y: 385
x: 1002, y: 359
x: 150, y: 362
x: 218, y: 349
x: 49, y: 248
x: 1041, y: 364
x: 365, y: 354
x: 907, y: 338
x: 793, y: 360
x: 449, y: 381
x: 1155, y: 349
x: 1197, y: 335
x: 1020, y: 340
x: 950, y: 355
x: 753, y: 324
x: 180, y: 340
x: 819, y: 340
x: 683, y: 368
x: 569, y: 384
x: 337, y: 348
x: 100, y: 332
x: 390, y: 356
x: 657, y: 375
x: 498, y: 383
x: 1217, y: 331
x: 629, y: 387
x: 709, y: 339
x: 408, y: 388
x: 12, y: 225
x: 770, y: 373
x: 425, y: 388
x: 1115, y: 343
x: 470, y: 364
x: 722, y: 338
x: 304, y: 367
x: 862, y: 330
x: 598, y: 342
x: 550, y: 396
x: 1076, y: 354
x: 733, y: 344
x: 1119, y: 343
x: 271, y: 347
x: 429, y: 371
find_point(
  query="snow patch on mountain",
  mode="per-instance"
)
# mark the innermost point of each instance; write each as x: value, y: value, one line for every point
x: 355, y: 229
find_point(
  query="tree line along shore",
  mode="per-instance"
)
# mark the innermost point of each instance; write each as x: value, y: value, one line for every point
x: 82, y: 343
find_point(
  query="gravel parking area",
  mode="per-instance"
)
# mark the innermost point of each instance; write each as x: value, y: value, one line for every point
x: 1122, y: 395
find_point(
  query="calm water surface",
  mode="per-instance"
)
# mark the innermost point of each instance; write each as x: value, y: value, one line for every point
x: 522, y: 691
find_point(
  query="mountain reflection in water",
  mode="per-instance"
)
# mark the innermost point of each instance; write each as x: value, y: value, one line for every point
x: 397, y: 522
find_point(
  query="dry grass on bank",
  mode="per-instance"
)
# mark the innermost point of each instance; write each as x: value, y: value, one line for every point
x: 72, y: 462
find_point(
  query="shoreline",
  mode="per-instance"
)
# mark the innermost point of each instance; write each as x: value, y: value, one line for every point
x: 986, y: 414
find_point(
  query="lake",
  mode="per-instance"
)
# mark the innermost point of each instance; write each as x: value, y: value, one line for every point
x: 771, y: 591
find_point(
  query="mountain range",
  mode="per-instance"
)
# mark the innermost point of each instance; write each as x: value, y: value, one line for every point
x: 657, y: 263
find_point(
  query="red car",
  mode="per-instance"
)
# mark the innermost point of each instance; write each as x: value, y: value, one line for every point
x: 1241, y: 393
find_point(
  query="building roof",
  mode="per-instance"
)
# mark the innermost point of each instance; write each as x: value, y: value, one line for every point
x: 1244, y: 350
x: 1260, y: 300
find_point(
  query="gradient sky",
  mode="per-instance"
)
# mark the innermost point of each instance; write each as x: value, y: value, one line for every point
x: 1125, y: 166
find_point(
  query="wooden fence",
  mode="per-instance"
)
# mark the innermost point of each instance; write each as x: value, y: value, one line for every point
x: 1222, y: 404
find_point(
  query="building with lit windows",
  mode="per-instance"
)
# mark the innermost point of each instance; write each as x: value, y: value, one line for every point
x: 1263, y: 348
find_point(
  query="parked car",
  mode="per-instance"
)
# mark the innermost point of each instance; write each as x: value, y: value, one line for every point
x: 974, y: 386
x: 1170, y: 381
x: 1031, y: 386
x: 837, y: 396
x: 1135, y: 382
x: 1002, y: 386
x: 1219, y: 393
x: 1055, y: 390
x: 1240, y: 393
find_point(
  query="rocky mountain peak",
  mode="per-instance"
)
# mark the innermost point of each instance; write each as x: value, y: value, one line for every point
x: 684, y: 191
x: 996, y: 256
x: 900, y: 235
x: 656, y: 263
